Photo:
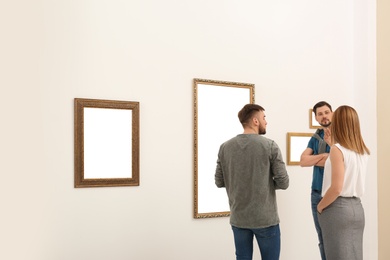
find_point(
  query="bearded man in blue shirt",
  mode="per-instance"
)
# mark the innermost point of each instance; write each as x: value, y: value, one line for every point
x: 315, y: 155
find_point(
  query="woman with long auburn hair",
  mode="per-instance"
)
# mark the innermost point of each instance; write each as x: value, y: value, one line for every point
x: 340, y: 212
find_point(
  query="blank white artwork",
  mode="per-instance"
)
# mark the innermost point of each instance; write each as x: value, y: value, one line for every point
x: 107, y: 143
x: 218, y: 108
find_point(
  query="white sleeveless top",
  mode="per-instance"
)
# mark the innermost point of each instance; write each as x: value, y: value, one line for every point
x: 355, y: 167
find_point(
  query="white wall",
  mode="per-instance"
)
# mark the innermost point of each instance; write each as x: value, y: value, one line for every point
x: 296, y: 53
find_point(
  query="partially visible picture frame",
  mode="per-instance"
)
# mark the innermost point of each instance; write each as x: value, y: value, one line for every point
x: 313, y: 124
x: 296, y: 144
x: 106, y: 143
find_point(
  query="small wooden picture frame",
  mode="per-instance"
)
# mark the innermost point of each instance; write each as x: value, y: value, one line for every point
x: 313, y: 124
x: 296, y: 144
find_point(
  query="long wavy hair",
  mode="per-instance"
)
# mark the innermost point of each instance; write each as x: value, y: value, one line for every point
x: 345, y: 129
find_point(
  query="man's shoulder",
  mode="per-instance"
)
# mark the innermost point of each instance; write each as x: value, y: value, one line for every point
x: 229, y: 141
x: 320, y: 132
x: 268, y: 142
x: 249, y: 137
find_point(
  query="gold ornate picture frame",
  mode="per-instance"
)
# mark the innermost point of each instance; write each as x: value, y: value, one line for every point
x: 216, y: 105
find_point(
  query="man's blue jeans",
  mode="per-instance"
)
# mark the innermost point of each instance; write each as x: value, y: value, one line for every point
x: 315, y: 199
x: 267, y: 238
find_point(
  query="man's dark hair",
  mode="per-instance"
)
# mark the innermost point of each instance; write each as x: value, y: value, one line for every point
x: 321, y: 104
x: 247, y: 112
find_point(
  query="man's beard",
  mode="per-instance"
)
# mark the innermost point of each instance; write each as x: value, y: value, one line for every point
x: 326, y: 125
x: 261, y: 131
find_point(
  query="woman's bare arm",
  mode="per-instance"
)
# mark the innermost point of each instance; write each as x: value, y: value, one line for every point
x: 336, y: 186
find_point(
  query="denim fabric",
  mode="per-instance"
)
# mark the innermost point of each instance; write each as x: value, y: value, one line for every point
x: 315, y: 199
x: 267, y: 238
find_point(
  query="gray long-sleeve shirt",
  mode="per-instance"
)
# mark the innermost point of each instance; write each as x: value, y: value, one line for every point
x: 251, y: 168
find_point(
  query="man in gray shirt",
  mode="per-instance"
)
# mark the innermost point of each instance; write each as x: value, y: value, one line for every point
x: 251, y: 168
